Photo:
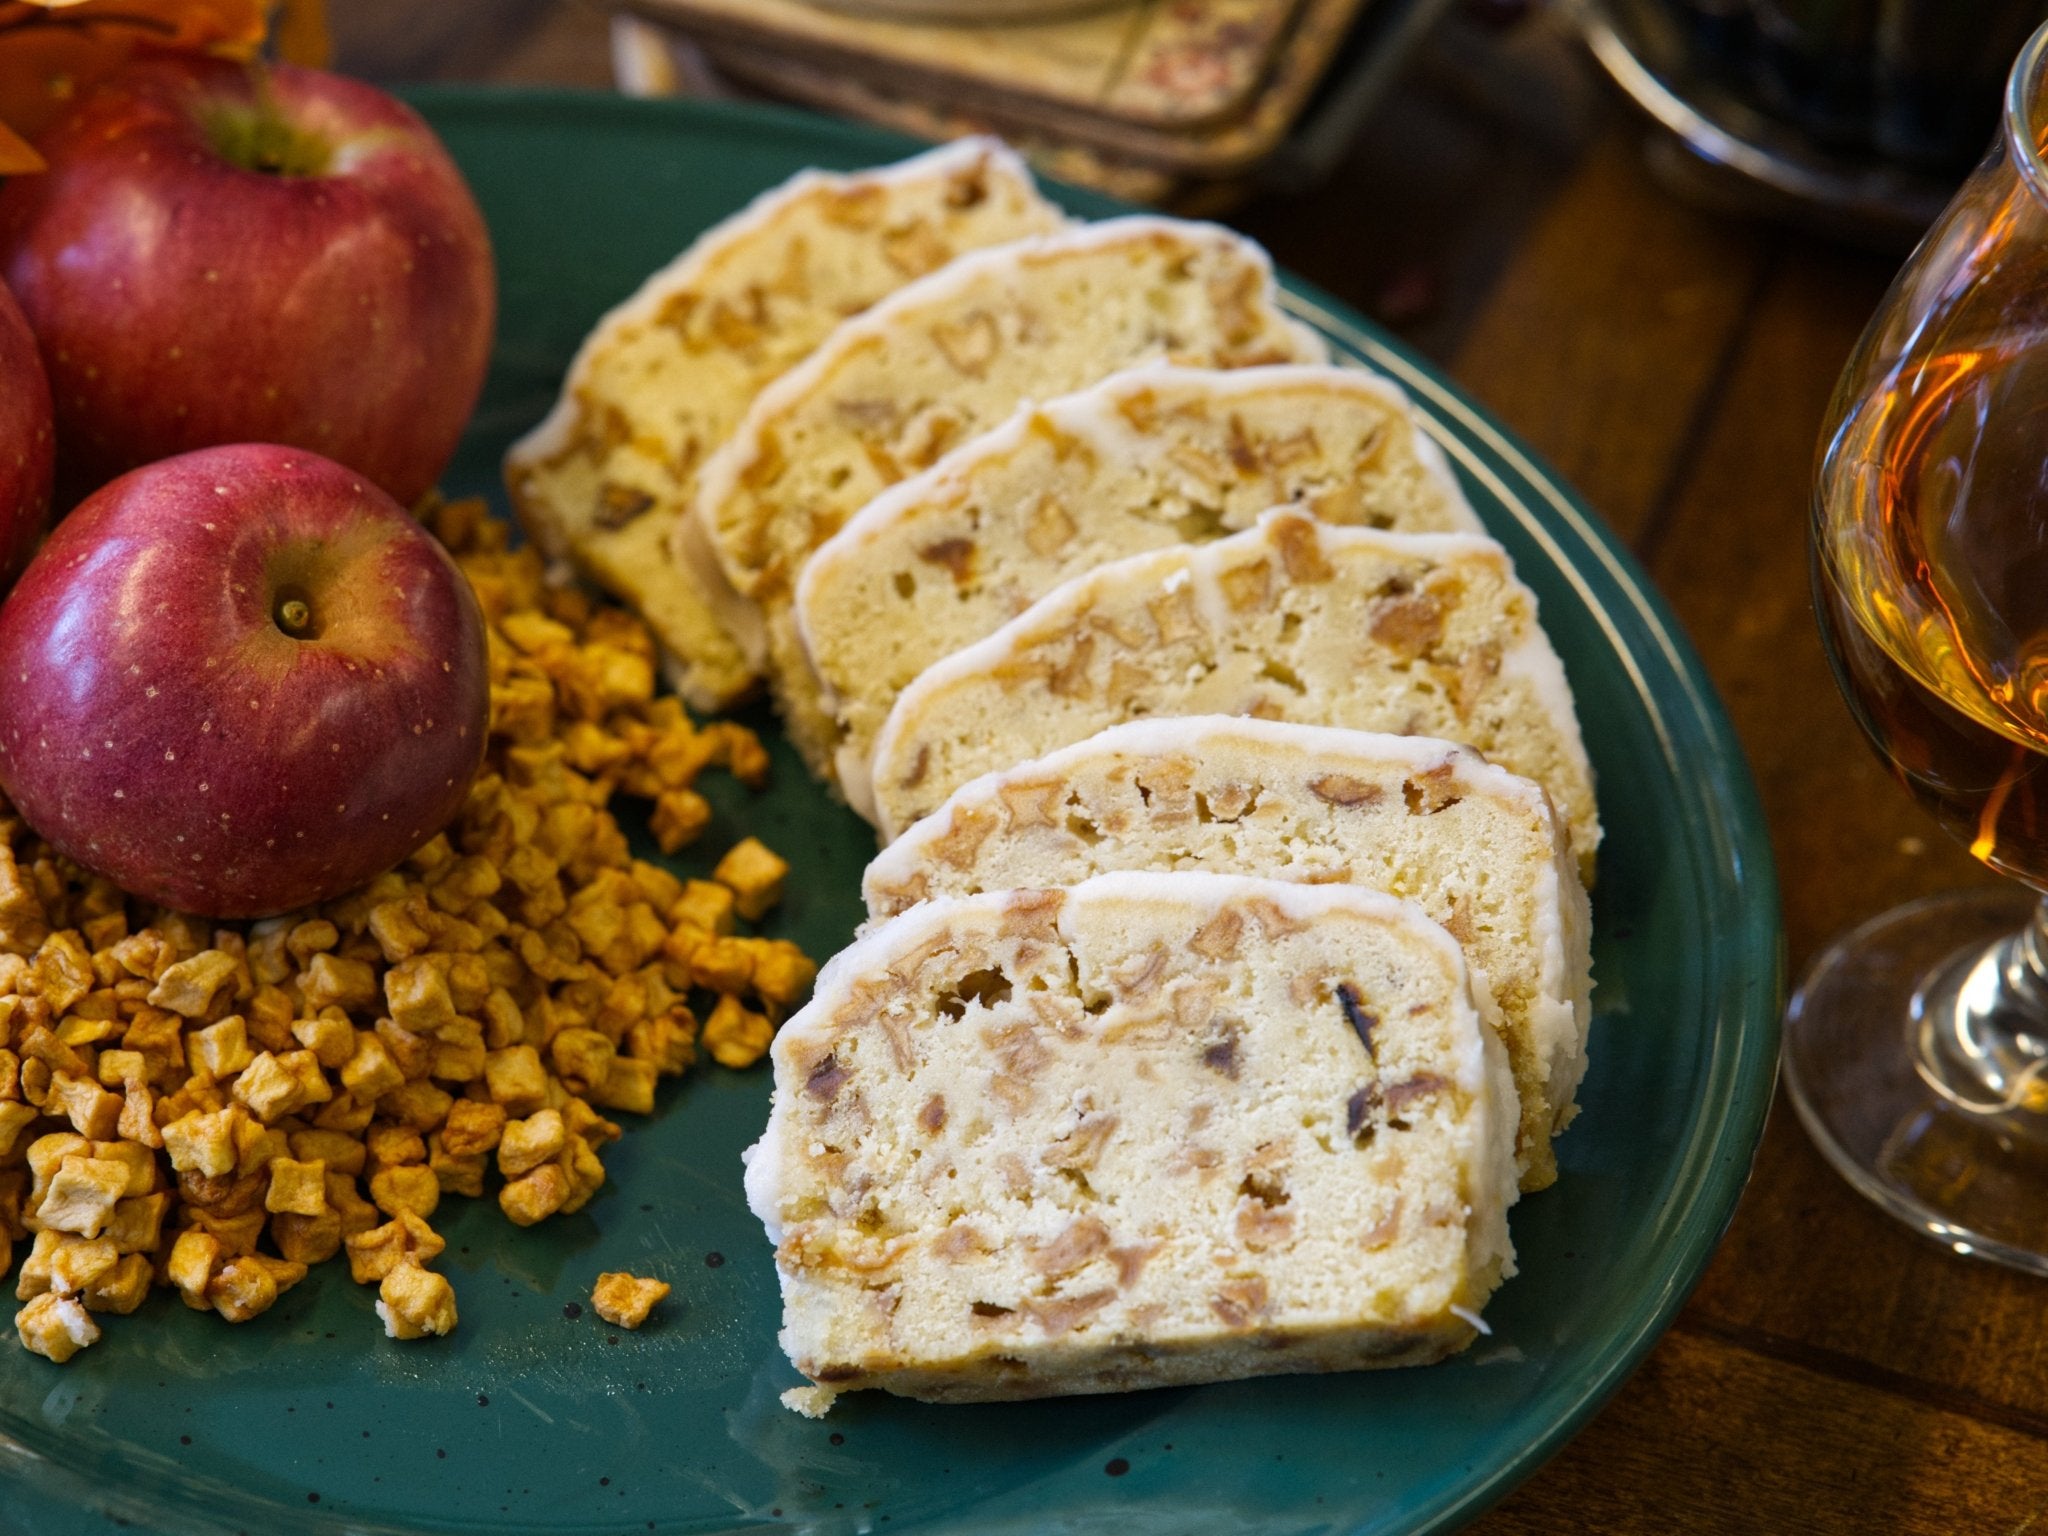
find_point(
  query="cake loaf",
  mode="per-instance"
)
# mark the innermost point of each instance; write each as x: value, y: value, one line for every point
x: 1475, y: 847
x: 1154, y: 1129
x: 1151, y: 456
x: 666, y: 376
x: 1420, y: 634
x: 946, y: 359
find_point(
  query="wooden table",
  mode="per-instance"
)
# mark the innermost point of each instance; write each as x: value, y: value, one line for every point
x: 1833, y: 1373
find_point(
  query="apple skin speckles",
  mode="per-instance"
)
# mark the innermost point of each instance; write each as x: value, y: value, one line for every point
x: 326, y: 777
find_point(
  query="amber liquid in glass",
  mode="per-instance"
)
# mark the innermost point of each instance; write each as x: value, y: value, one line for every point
x: 1931, y: 580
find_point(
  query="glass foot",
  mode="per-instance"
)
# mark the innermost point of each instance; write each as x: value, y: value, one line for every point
x: 1916, y: 1052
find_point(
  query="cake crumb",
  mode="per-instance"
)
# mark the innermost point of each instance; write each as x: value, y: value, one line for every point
x: 813, y: 1401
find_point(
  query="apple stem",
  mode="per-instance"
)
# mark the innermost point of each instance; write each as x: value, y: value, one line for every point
x: 258, y: 136
x: 294, y: 616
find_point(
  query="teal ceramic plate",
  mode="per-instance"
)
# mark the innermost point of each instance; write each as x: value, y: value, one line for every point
x: 528, y: 1421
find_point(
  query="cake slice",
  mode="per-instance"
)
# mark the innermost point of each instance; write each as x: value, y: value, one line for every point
x: 1149, y: 457
x: 1420, y: 634
x: 666, y: 376
x: 1477, y: 848
x: 1154, y: 1129
x: 946, y: 359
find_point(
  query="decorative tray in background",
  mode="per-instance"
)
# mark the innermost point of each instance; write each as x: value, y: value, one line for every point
x: 1159, y: 101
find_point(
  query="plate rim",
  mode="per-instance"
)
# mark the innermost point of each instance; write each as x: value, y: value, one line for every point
x: 1733, y: 870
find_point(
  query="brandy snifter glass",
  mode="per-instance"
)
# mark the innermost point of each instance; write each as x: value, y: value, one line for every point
x: 1916, y: 1048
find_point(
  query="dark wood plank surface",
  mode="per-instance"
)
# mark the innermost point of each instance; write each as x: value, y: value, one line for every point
x: 1833, y: 1373
x: 1607, y: 354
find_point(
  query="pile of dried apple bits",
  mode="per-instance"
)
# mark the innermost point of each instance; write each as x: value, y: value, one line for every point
x: 214, y: 1108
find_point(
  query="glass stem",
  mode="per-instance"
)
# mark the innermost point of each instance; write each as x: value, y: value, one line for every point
x: 2026, y: 967
x: 1980, y: 1025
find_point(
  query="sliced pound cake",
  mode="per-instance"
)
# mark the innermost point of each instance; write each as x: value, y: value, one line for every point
x: 944, y: 360
x: 1477, y: 848
x: 1154, y: 1129
x: 1420, y: 634
x: 665, y: 377
x: 1152, y: 456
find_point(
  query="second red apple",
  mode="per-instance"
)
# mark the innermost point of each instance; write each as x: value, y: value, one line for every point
x: 216, y: 256
x: 241, y: 681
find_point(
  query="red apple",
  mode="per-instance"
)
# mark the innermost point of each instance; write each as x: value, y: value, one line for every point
x: 25, y: 442
x: 216, y: 256
x: 239, y: 682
